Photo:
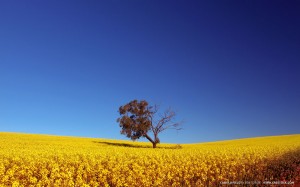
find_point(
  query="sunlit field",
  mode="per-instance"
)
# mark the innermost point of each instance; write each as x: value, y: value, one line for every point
x: 41, y: 160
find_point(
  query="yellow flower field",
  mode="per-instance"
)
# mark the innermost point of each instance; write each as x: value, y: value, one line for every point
x: 43, y: 160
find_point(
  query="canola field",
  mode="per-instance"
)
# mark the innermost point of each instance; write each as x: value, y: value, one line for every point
x: 44, y: 160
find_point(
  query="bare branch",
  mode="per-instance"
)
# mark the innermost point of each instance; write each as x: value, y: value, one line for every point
x: 166, y: 118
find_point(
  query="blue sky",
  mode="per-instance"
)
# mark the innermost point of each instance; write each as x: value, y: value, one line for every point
x: 230, y: 69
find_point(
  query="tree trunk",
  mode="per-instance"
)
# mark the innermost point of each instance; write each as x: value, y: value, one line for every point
x: 154, y: 145
x: 150, y: 139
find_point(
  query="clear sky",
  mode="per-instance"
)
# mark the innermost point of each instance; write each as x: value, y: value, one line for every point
x: 230, y: 69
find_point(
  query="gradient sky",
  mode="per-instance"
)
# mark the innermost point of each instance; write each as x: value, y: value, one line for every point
x: 230, y: 69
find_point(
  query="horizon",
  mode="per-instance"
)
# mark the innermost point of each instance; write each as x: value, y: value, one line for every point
x: 230, y: 70
x: 143, y: 141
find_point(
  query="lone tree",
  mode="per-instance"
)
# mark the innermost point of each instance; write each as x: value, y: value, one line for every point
x: 138, y: 118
